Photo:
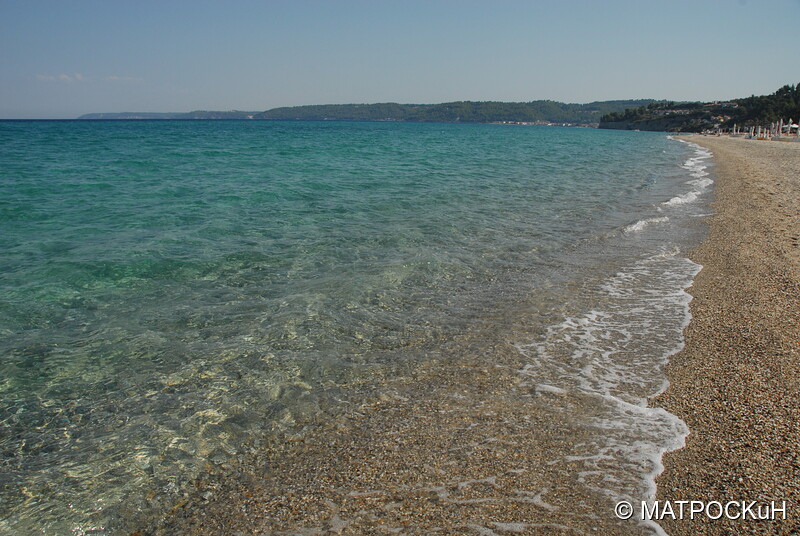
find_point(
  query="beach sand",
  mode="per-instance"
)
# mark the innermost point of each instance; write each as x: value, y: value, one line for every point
x: 737, y: 382
x: 459, y: 446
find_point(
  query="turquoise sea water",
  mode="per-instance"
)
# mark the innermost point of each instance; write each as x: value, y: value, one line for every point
x: 170, y: 291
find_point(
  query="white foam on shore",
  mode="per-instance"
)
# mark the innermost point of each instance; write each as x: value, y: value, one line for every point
x: 682, y: 199
x: 598, y: 367
x: 607, y: 350
x: 702, y: 183
x: 609, y: 361
x: 641, y: 224
x: 696, y: 165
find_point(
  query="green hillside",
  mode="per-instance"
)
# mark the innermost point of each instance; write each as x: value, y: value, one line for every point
x: 543, y: 111
x: 456, y: 112
x: 697, y: 116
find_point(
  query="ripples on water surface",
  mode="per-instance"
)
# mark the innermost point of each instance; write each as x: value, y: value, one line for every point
x: 173, y: 291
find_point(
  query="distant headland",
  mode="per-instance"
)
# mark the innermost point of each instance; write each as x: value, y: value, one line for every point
x: 639, y: 114
x: 535, y: 112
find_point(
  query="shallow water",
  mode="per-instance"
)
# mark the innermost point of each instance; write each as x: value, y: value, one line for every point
x: 172, y: 291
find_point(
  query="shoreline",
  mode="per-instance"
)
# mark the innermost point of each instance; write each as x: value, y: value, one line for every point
x: 500, y: 387
x: 449, y: 449
x: 465, y: 444
x: 736, y: 382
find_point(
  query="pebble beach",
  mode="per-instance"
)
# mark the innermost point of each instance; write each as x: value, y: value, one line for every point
x: 736, y: 383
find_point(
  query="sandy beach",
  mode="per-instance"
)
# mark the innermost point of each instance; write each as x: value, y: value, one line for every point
x: 736, y: 383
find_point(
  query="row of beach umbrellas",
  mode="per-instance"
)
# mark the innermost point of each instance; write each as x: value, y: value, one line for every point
x: 775, y: 129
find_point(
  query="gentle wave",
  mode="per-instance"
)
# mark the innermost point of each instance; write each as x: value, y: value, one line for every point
x: 605, y: 363
x: 697, y: 168
x: 641, y: 224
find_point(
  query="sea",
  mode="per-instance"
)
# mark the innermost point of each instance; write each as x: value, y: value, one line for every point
x: 173, y: 290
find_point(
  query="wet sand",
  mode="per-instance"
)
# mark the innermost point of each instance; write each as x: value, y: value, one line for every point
x: 737, y: 382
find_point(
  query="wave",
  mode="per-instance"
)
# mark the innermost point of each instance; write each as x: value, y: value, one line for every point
x: 641, y: 224
x: 696, y: 165
x: 605, y: 362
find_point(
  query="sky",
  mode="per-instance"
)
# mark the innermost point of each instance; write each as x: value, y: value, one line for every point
x: 63, y: 58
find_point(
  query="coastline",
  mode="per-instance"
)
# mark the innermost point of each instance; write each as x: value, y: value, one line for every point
x: 514, y: 400
x: 465, y: 444
x: 460, y: 446
x: 736, y: 382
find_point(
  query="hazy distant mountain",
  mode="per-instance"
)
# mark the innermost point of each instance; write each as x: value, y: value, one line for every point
x: 642, y: 114
x: 150, y: 116
x: 452, y: 112
x: 455, y: 112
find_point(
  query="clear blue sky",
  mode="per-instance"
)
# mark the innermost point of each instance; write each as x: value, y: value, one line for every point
x: 64, y: 58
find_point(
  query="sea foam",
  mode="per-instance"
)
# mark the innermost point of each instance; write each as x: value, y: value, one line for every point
x: 696, y: 165
x: 607, y: 362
